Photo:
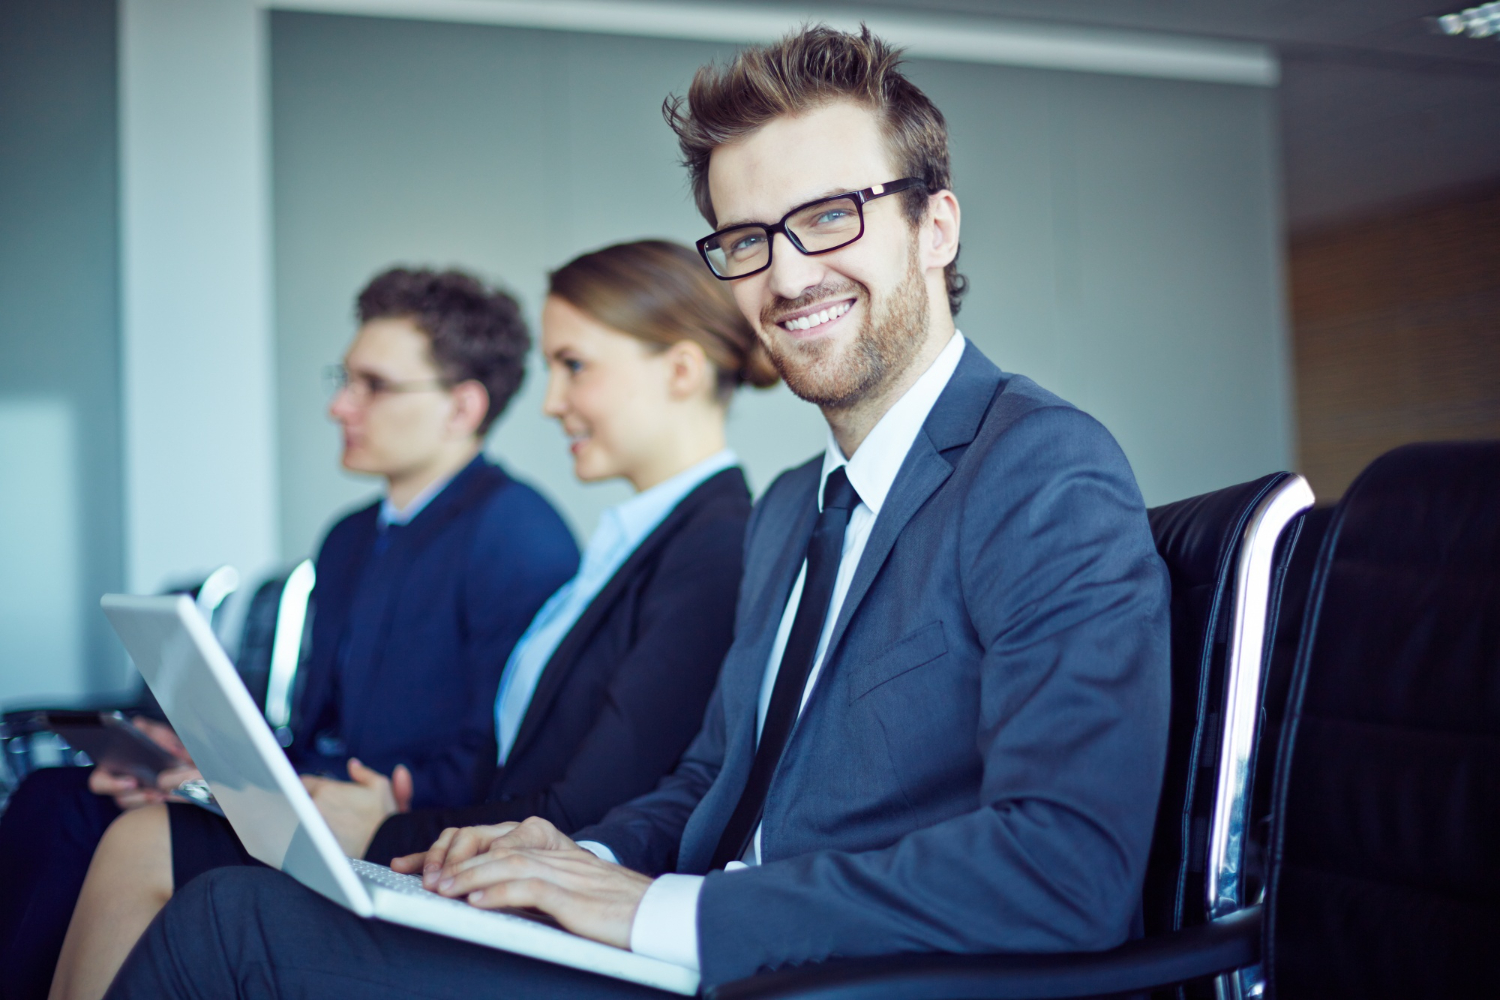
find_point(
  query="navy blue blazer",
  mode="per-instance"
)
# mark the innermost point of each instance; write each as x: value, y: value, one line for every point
x: 978, y: 765
x: 624, y: 693
x: 408, y: 642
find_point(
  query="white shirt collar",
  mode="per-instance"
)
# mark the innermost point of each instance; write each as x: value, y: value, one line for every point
x: 639, y: 516
x: 872, y: 470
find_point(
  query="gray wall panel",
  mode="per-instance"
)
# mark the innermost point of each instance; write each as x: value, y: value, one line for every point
x: 1119, y: 234
x: 60, y: 522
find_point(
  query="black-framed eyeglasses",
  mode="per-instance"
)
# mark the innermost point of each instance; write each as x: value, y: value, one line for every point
x: 363, y: 387
x: 820, y: 226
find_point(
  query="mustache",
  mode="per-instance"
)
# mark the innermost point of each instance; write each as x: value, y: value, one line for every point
x: 779, y: 307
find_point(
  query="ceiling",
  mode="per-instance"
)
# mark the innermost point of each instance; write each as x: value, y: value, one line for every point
x: 1377, y: 109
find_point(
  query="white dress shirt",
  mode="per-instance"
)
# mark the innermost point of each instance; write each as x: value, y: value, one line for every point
x: 666, y: 922
x: 621, y: 531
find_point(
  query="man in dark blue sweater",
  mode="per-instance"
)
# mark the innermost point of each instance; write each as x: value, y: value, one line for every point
x: 419, y: 599
x: 421, y: 596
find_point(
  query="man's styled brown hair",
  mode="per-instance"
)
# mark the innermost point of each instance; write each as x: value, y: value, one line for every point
x: 474, y: 333
x: 801, y: 73
x: 660, y: 292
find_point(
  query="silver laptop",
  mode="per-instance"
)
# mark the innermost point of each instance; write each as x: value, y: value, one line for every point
x: 262, y: 797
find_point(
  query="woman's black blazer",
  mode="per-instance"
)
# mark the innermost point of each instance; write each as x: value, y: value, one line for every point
x: 626, y: 689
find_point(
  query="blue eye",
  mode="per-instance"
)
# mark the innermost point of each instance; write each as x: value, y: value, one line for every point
x: 745, y: 245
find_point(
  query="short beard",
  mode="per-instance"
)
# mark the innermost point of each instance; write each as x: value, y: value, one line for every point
x: 893, y: 332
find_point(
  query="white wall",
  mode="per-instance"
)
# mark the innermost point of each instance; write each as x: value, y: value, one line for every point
x: 60, y: 463
x: 196, y: 362
x: 1119, y: 231
x: 41, y: 629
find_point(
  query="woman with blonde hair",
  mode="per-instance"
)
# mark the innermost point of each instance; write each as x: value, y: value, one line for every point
x: 644, y: 350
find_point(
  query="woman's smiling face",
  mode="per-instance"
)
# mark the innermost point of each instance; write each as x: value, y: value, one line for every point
x: 610, y: 391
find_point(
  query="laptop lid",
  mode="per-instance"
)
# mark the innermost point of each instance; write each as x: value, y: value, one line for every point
x: 187, y: 670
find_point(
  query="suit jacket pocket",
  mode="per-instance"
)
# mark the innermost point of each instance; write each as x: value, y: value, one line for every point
x: 916, y: 649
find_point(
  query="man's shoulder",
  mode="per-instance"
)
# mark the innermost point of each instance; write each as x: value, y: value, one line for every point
x: 1016, y: 408
x: 517, y: 513
x: 791, y: 490
x: 1017, y: 437
x: 351, y: 527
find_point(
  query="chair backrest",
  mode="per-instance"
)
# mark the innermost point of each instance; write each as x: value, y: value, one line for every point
x: 270, y: 651
x: 1278, y: 682
x: 1385, y: 852
x: 1222, y: 553
x: 271, y: 641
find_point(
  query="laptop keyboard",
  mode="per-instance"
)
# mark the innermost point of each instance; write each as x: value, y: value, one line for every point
x: 411, y: 885
x: 382, y: 876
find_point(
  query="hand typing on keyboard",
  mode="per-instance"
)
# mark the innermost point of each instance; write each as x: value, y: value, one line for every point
x: 532, y: 864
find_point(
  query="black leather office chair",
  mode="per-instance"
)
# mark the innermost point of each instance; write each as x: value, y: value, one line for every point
x: 1226, y: 552
x: 26, y: 740
x: 1278, y: 682
x: 270, y: 648
x: 1385, y: 853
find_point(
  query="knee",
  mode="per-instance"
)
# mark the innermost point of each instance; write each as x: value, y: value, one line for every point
x: 138, y: 846
x: 204, y: 938
x: 245, y: 892
x: 139, y: 834
x: 138, y: 825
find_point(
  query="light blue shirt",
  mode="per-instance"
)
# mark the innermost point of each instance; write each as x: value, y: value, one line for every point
x: 391, y: 514
x: 621, y: 530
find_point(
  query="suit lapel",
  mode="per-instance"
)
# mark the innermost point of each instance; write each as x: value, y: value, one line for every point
x: 562, y: 661
x: 953, y: 422
x: 769, y: 589
x: 774, y: 555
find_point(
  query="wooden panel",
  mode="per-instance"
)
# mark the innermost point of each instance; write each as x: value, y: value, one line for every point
x: 1396, y: 335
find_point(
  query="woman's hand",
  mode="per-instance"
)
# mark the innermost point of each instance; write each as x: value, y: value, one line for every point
x: 127, y: 790
x: 355, y: 809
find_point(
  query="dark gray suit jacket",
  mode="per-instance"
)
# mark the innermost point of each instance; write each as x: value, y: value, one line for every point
x: 978, y: 766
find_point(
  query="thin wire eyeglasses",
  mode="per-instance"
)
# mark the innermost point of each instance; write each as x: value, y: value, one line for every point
x: 366, y: 387
x: 820, y: 226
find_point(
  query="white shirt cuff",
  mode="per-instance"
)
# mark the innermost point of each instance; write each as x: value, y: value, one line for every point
x: 599, y: 851
x: 666, y: 921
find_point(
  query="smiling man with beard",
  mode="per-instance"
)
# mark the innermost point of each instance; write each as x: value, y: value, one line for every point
x: 942, y: 724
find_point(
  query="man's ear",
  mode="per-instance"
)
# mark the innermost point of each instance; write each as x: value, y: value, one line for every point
x: 939, y: 244
x: 471, y: 404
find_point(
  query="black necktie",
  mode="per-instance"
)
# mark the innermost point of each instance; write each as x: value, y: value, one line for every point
x: 823, y: 554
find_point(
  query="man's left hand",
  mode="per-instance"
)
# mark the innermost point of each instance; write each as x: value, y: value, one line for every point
x: 355, y: 809
x: 587, y: 895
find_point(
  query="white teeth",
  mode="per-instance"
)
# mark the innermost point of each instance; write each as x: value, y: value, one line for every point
x: 818, y: 318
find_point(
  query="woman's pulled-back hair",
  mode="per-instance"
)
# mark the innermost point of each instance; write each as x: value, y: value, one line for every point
x: 803, y: 72
x: 660, y: 292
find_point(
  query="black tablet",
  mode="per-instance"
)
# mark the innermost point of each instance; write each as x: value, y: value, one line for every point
x: 112, y: 740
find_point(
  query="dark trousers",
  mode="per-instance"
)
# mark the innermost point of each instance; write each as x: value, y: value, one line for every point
x: 47, y: 839
x: 254, y: 932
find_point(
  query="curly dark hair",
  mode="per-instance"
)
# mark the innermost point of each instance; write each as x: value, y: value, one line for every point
x: 476, y: 333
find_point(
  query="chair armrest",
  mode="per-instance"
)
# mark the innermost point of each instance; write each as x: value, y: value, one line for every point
x: 1232, y: 942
